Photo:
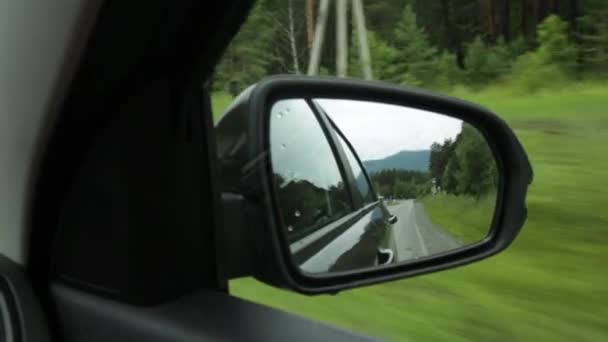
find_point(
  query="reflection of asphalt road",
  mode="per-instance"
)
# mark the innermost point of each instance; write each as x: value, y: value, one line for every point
x: 415, y: 236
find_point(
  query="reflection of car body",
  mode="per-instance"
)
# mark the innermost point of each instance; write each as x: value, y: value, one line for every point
x: 354, y: 241
x: 356, y: 238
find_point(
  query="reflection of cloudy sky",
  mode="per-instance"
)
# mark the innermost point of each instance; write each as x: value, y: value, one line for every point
x: 298, y: 146
x: 377, y: 130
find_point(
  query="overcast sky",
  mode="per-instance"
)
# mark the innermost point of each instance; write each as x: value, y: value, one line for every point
x: 299, y: 148
x: 377, y: 130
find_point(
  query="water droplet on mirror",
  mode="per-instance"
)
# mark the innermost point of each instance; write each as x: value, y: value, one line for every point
x: 290, y: 228
x: 283, y: 146
x: 297, y: 213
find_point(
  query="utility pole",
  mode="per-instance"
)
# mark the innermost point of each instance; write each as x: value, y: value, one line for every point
x: 364, y: 56
x: 310, y: 14
x: 317, y: 43
x: 292, y: 38
x: 341, y: 39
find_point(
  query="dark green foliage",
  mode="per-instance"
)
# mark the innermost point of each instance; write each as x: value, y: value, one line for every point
x: 447, y: 72
x: 413, y: 60
x: 381, y: 16
x: 531, y: 44
x: 555, y: 46
x: 471, y: 168
x: 440, y: 155
x: 552, y: 63
x: 593, y: 37
x: 306, y: 207
x: 486, y: 64
x: 382, y: 55
x: 249, y: 56
x: 404, y: 189
x: 401, y: 183
x: 479, y: 70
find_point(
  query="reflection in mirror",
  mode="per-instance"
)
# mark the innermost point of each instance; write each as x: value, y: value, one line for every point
x: 365, y: 184
x: 306, y: 174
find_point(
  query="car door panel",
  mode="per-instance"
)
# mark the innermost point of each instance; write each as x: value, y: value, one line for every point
x: 349, y: 243
x: 201, y: 316
x: 21, y: 315
x: 364, y: 248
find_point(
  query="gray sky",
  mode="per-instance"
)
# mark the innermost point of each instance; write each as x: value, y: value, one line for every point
x: 377, y: 130
x: 299, y: 148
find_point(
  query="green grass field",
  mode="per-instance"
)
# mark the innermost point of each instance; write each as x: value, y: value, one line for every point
x: 551, y: 285
x: 467, y: 218
x: 219, y: 103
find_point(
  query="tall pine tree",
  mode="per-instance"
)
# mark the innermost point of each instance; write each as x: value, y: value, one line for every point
x: 413, y: 60
x: 250, y: 54
x: 382, y: 55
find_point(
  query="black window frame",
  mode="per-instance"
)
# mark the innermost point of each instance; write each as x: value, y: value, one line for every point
x: 336, y: 133
x: 343, y: 141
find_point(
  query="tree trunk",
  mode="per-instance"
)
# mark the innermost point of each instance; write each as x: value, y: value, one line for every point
x: 506, y: 20
x: 574, y: 13
x: 341, y: 39
x: 542, y: 10
x: 488, y: 17
x: 292, y: 38
x: 445, y: 20
x: 319, y: 36
x: 364, y: 56
x: 527, y: 25
x: 554, y: 7
x: 310, y: 14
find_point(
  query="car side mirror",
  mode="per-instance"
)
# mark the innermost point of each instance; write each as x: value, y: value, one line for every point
x: 304, y: 159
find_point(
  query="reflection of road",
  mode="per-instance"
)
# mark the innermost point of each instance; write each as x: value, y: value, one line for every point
x: 415, y: 236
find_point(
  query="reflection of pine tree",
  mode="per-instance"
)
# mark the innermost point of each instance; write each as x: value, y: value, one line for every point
x: 440, y: 155
x: 306, y: 207
x: 471, y: 168
x: 401, y: 183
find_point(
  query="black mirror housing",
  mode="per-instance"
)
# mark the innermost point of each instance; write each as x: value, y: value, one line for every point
x: 255, y: 243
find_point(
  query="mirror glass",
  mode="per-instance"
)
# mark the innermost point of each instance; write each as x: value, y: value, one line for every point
x: 366, y: 184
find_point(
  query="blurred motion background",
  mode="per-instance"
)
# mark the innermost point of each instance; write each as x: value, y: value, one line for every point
x: 542, y: 65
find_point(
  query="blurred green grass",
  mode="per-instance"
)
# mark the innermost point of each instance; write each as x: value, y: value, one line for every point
x: 550, y: 285
x: 465, y: 217
x: 219, y: 103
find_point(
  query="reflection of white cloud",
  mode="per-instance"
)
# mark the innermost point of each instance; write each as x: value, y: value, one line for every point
x: 299, y: 148
x: 377, y: 130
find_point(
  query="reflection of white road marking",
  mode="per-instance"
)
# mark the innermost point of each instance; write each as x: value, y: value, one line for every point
x: 424, y: 250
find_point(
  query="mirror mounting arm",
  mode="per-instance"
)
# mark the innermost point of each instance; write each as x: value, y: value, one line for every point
x: 237, y: 228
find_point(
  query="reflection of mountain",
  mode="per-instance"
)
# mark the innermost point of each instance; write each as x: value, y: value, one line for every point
x: 404, y: 160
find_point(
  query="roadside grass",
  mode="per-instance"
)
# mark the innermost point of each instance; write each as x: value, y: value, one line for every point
x: 219, y: 103
x: 465, y: 217
x: 550, y: 285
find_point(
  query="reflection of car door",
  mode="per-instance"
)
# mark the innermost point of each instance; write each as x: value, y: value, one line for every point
x: 368, y: 250
x: 332, y: 216
x: 315, y: 202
